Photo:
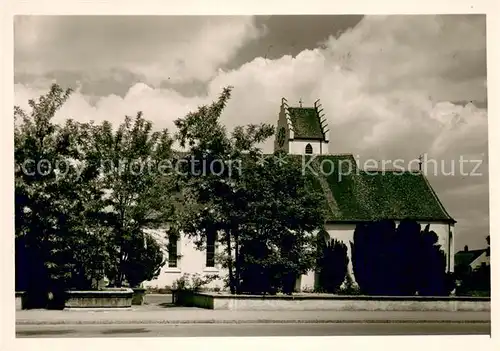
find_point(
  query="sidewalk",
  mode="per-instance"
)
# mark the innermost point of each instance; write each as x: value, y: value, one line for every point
x: 182, y: 315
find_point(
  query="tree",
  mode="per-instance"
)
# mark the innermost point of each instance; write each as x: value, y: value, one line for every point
x: 79, y: 210
x: 55, y: 199
x: 136, y: 175
x: 374, y: 257
x: 227, y: 192
x: 281, y: 212
x: 488, y: 248
x: 210, y: 184
x: 434, y: 280
x: 332, y: 263
x: 36, y: 139
x: 399, y: 261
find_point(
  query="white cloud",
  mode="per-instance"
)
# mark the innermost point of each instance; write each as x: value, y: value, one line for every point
x: 380, y: 84
x: 160, y: 106
x: 159, y: 48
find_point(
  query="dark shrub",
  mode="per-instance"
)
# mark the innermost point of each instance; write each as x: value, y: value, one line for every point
x: 332, y: 264
x: 400, y: 261
x: 144, y: 261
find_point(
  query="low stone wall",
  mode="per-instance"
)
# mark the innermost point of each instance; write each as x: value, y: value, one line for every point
x: 330, y: 302
x: 108, y: 298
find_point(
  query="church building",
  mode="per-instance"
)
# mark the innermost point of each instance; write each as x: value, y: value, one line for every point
x: 359, y: 196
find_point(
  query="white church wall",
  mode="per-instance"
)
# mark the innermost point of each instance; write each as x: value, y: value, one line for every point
x: 298, y: 147
x: 342, y: 232
x: 452, y: 247
x: 193, y: 261
x: 190, y: 260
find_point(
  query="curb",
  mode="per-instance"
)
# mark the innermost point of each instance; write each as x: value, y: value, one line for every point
x: 250, y: 321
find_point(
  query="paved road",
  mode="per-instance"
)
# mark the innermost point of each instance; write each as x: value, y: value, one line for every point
x: 289, y: 329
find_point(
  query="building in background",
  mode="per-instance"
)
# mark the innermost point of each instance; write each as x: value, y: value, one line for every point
x: 473, y: 259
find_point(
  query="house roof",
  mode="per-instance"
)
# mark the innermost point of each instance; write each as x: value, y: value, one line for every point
x: 306, y: 123
x: 355, y: 195
x: 465, y: 258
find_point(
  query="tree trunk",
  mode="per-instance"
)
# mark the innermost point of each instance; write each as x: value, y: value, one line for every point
x: 232, y: 285
x: 119, y: 276
x: 121, y: 231
x: 236, y: 261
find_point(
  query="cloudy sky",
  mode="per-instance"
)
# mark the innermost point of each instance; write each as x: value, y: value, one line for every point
x: 392, y: 87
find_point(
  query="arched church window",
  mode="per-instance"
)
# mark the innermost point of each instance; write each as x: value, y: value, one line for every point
x: 309, y: 149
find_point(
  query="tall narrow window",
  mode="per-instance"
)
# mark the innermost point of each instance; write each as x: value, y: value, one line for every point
x: 172, y: 251
x: 210, y: 259
x: 309, y: 149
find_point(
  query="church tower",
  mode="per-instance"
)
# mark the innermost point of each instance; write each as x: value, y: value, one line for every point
x: 302, y: 130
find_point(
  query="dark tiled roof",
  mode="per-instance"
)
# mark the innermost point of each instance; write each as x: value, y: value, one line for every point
x: 354, y: 195
x: 465, y: 258
x: 359, y: 195
x: 306, y: 123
